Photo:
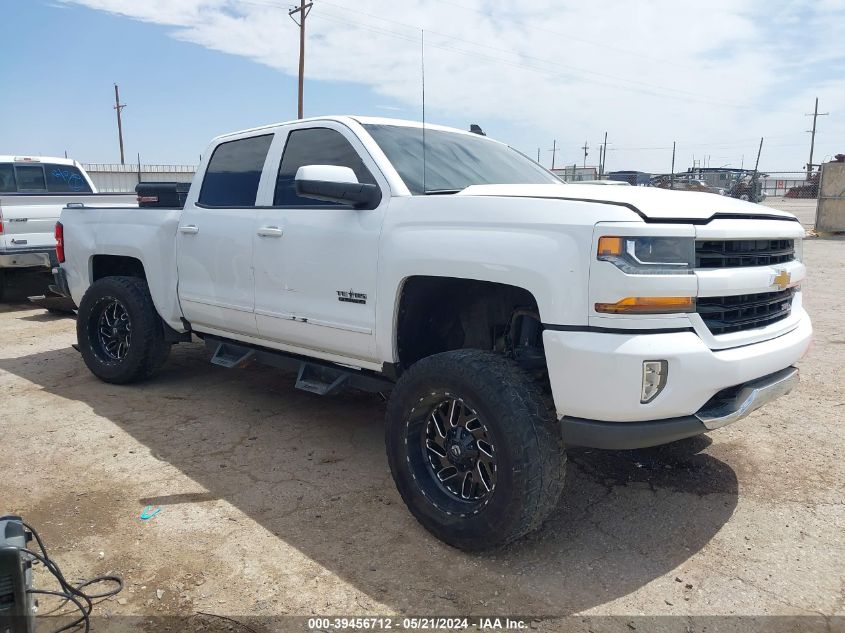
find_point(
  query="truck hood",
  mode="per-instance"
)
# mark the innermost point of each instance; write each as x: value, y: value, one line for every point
x: 651, y: 203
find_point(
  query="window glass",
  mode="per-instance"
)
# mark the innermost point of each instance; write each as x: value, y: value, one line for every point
x: 315, y: 146
x: 231, y: 179
x: 7, y: 178
x: 453, y: 161
x: 65, y: 178
x: 30, y: 177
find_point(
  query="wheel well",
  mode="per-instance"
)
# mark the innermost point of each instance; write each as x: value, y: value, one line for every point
x: 116, y: 265
x: 439, y: 314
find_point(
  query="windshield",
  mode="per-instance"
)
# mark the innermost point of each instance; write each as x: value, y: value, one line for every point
x: 453, y: 161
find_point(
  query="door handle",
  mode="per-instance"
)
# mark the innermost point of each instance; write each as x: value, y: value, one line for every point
x: 270, y: 231
x: 189, y: 229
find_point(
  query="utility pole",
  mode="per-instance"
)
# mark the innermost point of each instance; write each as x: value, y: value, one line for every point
x: 303, y: 10
x: 603, y: 157
x: 538, y: 155
x: 119, y: 107
x: 553, y: 150
x: 815, y: 116
x: 585, y: 148
x: 757, y: 163
x: 753, y: 195
x: 672, y: 175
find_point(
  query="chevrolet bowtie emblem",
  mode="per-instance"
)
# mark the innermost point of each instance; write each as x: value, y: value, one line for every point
x: 782, y: 279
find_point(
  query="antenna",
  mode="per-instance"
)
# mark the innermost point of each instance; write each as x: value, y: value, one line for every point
x: 422, y: 67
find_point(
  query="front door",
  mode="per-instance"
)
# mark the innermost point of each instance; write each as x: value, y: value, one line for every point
x: 315, y: 262
x: 214, y: 240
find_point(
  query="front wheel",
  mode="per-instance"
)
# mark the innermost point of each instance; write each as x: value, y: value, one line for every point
x: 474, y: 451
x: 120, y: 334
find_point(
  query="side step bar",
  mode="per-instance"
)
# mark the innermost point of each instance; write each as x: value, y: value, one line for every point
x: 231, y: 356
x: 321, y: 378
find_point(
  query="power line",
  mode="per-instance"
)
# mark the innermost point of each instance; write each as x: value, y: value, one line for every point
x: 545, y: 71
x: 647, y: 89
x: 556, y: 64
x: 569, y: 36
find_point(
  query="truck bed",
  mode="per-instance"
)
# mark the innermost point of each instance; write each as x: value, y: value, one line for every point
x: 27, y: 221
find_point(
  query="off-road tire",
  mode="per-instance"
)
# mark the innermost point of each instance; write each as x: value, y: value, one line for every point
x: 147, y: 351
x: 530, y: 460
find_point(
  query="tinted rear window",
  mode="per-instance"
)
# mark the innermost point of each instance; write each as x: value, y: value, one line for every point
x: 65, y: 179
x: 30, y: 177
x: 234, y: 171
x: 7, y: 178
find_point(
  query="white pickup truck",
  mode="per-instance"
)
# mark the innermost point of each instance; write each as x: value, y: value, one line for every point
x: 508, y: 314
x: 33, y: 190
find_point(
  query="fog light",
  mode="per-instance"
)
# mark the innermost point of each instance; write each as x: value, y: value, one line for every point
x: 655, y: 373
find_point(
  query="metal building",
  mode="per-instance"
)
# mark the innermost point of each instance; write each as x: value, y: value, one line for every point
x: 109, y: 178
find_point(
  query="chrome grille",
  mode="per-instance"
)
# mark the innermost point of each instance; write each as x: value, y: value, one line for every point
x: 737, y: 313
x: 742, y: 253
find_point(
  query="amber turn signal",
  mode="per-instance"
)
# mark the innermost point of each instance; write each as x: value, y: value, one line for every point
x: 648, y: 305
x: 610, y: 246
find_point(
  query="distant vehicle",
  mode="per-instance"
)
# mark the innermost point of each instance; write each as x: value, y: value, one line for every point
x: 684, y: 183
x: 601, y: 182
x: 507, y: 313
x: 33, y: 190
x: 809, y: 189
x: 747, y: 188
x: 632, y: 177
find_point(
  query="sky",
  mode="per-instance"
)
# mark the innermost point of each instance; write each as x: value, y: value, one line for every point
x: 713, y: 77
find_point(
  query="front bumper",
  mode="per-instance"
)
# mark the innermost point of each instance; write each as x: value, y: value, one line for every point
x: 719, y: 412
x: 597, y: 376
x: 28, y: 258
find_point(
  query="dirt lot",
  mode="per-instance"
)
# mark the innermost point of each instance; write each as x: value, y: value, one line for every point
x: 276, y: 502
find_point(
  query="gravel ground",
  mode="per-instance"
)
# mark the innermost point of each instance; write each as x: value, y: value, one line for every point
x: 275, y: 502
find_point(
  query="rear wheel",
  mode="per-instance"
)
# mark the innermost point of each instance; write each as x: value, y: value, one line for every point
x: 474, y: 451
x: 120, y: 335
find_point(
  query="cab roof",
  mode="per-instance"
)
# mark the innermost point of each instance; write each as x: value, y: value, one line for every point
x: 23, y: 159
x: 363, y: 120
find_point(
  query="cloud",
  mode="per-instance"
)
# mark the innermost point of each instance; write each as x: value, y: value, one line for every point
x: 713, y: 76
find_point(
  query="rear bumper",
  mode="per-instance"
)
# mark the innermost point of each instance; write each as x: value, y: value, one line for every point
x: 717, y: 412
x: 59, y: 285
x: 41, y: 257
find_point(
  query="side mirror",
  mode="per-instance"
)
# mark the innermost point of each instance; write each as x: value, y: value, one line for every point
x: 334, y: 183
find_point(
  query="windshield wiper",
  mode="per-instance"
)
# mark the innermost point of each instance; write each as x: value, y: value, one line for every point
x: 440, y: 192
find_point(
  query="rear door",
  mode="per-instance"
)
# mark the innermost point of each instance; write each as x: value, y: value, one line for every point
x: 316, y: 263
x: 214, y: 239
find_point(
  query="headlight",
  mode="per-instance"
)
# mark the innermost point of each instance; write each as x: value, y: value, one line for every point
x: 649, y: 255
x: 799, y: 249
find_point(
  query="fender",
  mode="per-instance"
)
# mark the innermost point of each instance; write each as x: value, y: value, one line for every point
x: 538, y: 245
x: 153, y: 244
